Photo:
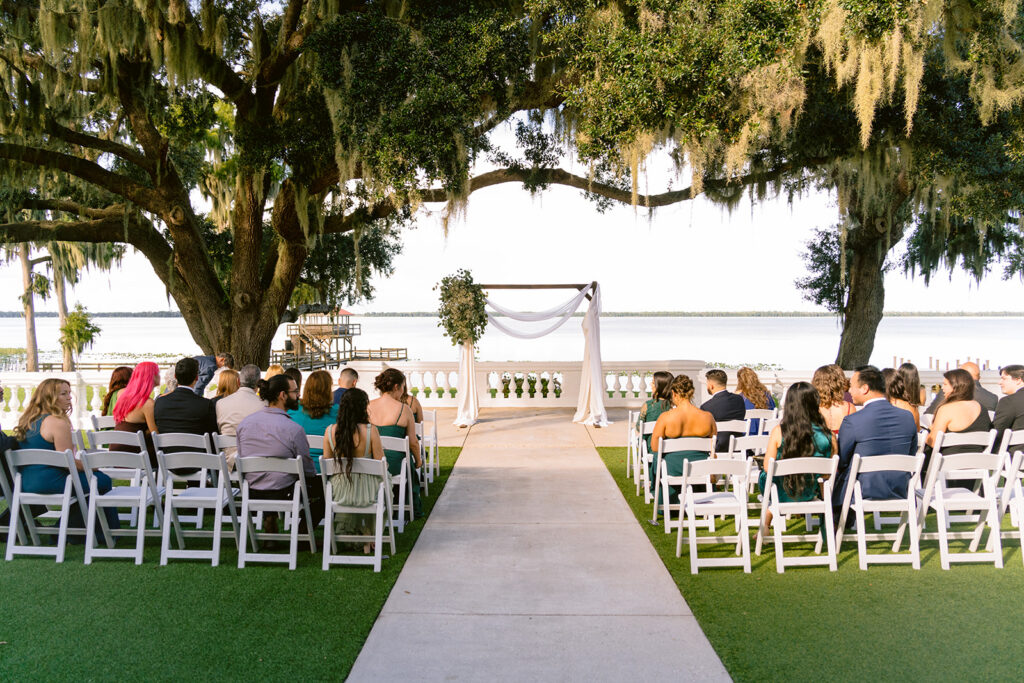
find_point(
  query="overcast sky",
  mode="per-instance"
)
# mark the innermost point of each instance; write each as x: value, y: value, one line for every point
x: 693, y: 256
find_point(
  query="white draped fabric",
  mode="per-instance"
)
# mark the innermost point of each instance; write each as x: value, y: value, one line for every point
x: 590, y: 403
x: 469, y: 407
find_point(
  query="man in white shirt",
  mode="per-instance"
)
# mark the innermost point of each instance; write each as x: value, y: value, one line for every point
x: 231, y: 410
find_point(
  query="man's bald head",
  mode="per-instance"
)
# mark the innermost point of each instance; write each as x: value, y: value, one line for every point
x: 972, y: 369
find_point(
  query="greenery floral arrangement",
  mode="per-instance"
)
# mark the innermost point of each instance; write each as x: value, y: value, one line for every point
x: 462, y: 313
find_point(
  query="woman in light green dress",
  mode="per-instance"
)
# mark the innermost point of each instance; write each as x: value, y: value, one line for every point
x: 353, y: 437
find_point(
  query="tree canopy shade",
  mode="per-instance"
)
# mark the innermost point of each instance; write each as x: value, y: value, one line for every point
x: 315, y: 128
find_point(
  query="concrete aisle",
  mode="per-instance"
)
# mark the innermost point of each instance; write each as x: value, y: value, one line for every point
x: 532, y: 567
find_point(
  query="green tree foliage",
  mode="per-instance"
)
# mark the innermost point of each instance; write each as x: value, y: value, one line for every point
x: 462, y: 314
x: 78, y: 331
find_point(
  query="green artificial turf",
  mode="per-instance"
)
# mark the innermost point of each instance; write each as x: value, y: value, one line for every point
x: 887, y: 623
x: 114, y: 620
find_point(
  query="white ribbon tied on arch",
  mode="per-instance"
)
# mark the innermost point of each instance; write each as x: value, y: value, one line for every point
x: 590, y: 402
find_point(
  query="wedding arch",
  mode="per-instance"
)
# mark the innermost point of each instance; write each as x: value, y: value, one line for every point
x: 590, y: 402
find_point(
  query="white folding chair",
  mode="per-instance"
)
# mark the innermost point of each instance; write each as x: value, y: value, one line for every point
x: 816, y: 467
x: 215, y: 498
x: 939, y: 496
x: 740, y: 448
x: 315, y: 441
x: 134, y: 467
x: 907, y: 507
x: 21, y: 500
x: 380, y: 509
x: 429, y: 445
x: 631, y: 445
x: 643, y: 480
x: 732, y: 427
x: 663, y: 481
x: 403, y: 480
x: 729, y: 502
x: 290, y: 509
x: 1011, y: 494
x: 926, y: 420
x: 175, y: 442
x: 102, y: 422
x: 423, y: 458
x: 101, y: 442
x: 7, y: 492
x: 763, y: 416
x: 981, y: 442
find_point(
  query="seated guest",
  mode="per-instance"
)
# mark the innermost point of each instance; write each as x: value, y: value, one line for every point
x: 414, y: 405
x: 659, y: 402
x: 170, y: 384
x: 270, y: 433
x: 273, y: 371
x: 183, y: 411
x: 223, y: 361
x: 352, y: 436
x: 208, y: 367
x: 831, y: 384
x: 227, y: 384
x: 44, y: 424
x: 878, y: 428
x: 134, y: 409
x: 755, y: 395
x: 346, y: 380
x: 296, y: 375
x: 983, y: 396
x: 958, y: 413
x: 394, y: 418
x: 801, y: 434
x: 723, y: 405
x: 684, y: 419
x: 899, y: 393
x: 1010, y: 410
x: 118, y: 381
x: 231, y: 410
x: 317, y: 411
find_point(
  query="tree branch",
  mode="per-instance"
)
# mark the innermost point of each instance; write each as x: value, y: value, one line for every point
x: 93, y: 142
x: 65, y: 206
x: 86, y: 170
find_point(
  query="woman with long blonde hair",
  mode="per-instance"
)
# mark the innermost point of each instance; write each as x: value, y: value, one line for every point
x: 45, y: 425
x: 755, y: 395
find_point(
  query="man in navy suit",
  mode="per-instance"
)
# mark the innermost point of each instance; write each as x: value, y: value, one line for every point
x: 723, y: 405
x: 878, y: 428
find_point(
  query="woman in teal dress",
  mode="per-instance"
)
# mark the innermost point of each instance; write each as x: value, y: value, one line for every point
x: 391, y: 417
x: 684, y: 419
x: 352, y: 436
x: 659, y: 403
x: 802, y: 433
x: 317, y: 411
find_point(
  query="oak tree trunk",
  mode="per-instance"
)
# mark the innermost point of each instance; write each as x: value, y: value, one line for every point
x: 29, y: 310
x: 864, y: 304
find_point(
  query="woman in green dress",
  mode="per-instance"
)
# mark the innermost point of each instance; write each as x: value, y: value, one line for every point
x: 803, y: 433
x: 391, y: 417
x: 684, y: 419
x: 659, y: 402
x: 352, y: 436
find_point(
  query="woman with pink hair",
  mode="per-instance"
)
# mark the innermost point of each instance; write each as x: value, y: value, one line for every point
x: 134, y: 408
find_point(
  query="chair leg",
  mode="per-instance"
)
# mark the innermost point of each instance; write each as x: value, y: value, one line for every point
x: 862, y: 545
x: 940, y: 511
x: 830, y: 538
x: 90, y: 528
x: 165, y: 532
x: 65, y: 517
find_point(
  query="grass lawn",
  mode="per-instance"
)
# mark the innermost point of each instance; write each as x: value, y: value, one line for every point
x: 887, y: 623
x: 113, y: 620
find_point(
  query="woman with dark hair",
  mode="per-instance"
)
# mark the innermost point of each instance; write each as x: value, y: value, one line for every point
x: 801, y: 434
x: 316, y: 411
x: 391, y: 417
x: 118, y: 381
x: 659, y: 402
x: 352, y: 436
x: 413, y: 403
x: 832, y: 384
x: 959, y: 412
x: 684, y: 419
x: 900, y: 393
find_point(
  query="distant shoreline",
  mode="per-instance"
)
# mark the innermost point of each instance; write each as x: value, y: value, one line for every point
x: 605, y: 314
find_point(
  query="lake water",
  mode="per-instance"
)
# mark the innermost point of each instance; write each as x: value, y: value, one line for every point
x: 792, y: 343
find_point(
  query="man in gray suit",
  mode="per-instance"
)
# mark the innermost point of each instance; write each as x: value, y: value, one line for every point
x: 982, y: 395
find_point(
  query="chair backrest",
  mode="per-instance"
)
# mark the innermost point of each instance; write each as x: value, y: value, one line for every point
x: 649, y: 427
x: 103, y: 440
x: 264, y: 464
x: 926, y: 420
x: 332, y: 466
x: 732, y: 426
x: 697, y: 471
x: 315, y: 441
x: 768, y: 425
x: 741, y: 444
x: 1012, y: 440
x: 394, y: 443
x: 686, y: 443
x: 791, y: 466
x: 419, y: 430
x: 199, y: 443
x: 984, y: 439
x: 990, y: 462
x: 100, y: 422
x: 187, y: 460
x: 222, y: 441
x: 94, y: 460
x: 40, y: 456
x: 889, y: 463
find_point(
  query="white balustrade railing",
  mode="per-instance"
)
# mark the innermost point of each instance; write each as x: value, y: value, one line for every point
x: 512, y: 384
